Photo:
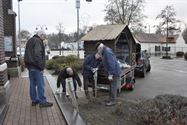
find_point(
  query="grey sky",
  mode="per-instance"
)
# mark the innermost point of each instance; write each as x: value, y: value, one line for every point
x: 51, y: 12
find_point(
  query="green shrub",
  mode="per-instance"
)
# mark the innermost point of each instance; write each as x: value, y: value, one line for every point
x: 57, y: 64
x: 55, y: 57
x: 71, y: 58
x: 185, y: 56
x: 179, y: 54
x: 61, y: 59
x: 59, y: 67
x: 50, y: 64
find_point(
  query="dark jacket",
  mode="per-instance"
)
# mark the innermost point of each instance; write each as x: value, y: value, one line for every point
x: 90, y: 62
x: 35, y: 53
x: 110, y: 62
x: 63, y: 75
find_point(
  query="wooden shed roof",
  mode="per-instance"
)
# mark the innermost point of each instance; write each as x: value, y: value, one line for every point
x: 104, y: 32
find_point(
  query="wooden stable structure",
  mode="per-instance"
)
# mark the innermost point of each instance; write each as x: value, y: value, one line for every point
x: 118, y: 37
x: 122, y: 42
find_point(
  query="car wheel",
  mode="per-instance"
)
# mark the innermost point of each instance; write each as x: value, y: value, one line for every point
x: 143, y: 72
x: 149, y: 68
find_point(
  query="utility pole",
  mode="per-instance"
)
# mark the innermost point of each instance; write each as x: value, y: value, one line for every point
x: 167, y: 37
x: 19, y: 36
x: 78, y: 7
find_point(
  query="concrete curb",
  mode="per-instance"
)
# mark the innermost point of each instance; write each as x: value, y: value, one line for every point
x: 71, y: 115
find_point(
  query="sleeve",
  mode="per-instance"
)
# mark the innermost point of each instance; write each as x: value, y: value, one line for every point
x: 86, y: 64
x: 99, y: 64
x: 110, y: 62
x: 77, y: 78
x: 59, y: 79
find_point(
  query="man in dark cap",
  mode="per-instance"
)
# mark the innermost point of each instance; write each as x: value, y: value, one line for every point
x: 113, y: 70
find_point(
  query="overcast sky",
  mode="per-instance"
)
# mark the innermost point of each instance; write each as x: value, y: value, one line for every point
x: 52, y: 12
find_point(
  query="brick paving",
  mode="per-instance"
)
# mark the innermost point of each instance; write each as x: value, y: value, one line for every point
x: 21, y: 112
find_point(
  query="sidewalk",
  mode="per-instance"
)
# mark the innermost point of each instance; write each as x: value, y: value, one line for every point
x: 21, y: 112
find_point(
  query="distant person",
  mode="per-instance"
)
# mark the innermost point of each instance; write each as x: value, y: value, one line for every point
x: 91, y: 64
x: 35, y: 62
x: 68, y: 72
x: 113, y: 70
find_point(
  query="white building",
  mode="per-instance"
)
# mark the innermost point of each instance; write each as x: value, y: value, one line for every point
x: 156, y: 43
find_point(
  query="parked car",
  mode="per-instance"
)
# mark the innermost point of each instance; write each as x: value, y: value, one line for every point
x: 142, y: 63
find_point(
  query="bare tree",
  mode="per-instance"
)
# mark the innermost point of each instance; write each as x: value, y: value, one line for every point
x: 168, y: 23
x: 127, y: 12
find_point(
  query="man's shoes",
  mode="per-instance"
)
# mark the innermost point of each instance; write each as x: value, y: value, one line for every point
x: 106, y: 101
x: 35, y: 103
x: 88, y: 97
x: 46, y: 104
x: 110, y: 103
x: 67, y: 94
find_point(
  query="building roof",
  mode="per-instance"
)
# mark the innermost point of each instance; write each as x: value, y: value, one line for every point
x: 155, y: 38
x: 104, y: 32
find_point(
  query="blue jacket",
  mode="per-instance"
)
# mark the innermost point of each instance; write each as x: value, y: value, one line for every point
x: 89, y: 63
x: 110, y: 62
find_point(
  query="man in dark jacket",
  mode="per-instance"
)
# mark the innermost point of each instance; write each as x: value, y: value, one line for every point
x: 35, y: 62
x: 68, y: 72
x: 91, y: 64
x: 113, y: 70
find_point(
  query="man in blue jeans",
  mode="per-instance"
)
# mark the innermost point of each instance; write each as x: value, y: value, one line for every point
x: 113, y: 70
x: 35, y: 62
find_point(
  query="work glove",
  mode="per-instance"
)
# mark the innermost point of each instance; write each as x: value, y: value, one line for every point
x: 94, y: 70
x: 110, y: 77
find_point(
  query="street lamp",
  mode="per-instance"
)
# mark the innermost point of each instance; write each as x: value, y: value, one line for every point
x: 78, y: 7
x: 41, y: 27
x: 19, y: 36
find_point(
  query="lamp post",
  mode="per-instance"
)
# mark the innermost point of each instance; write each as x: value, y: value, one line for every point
x: 41, y: 27
x: 78, y: 7
x: 19, y: 36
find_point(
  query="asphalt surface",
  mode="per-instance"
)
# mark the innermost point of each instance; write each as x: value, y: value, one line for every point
x: 165, y: 77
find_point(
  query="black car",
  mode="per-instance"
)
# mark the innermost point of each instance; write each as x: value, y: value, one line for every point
x: 142, y: 64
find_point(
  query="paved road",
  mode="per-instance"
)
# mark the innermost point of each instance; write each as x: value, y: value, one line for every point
x: 166, y: 77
